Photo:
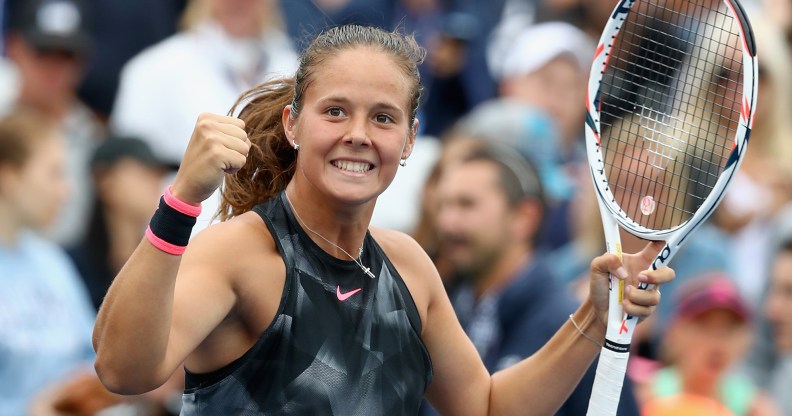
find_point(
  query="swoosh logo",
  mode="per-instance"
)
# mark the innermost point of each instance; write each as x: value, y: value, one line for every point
x: 344, y: 296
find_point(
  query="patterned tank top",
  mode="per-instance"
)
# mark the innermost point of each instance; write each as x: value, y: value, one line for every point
x: 341, y: 343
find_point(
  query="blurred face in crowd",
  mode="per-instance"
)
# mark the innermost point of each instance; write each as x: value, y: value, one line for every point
x: 130, y: 188
x: 557, y: 88
x: 705, y: 345
x: 778, y: 307
x: 49, y: 77
x: 241, y: 18
x: 473, y: 218
x: 37, y: 189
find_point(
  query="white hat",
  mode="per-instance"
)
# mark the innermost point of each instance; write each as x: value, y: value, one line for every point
x: 537, y: 45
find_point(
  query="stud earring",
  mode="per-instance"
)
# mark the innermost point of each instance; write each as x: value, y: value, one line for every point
x: 403, y: 162
x: 295, y: 145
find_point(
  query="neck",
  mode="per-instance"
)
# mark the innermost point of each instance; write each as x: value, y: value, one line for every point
x: 701, y: 387
x: 333, y: 227
x: 503, y: 270
x: 9, y: 228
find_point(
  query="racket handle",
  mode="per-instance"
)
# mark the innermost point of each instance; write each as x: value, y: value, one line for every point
x: 608, y: 383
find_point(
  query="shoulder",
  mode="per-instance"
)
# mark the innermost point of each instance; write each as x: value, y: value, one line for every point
x: 414, y: 266
x: 241, y: 234
x: 401, y: 249
x: 47, y: 253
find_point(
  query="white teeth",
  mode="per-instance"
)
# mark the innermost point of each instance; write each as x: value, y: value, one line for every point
x: 358, y: 167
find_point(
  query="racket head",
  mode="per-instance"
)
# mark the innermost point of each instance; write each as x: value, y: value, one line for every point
x: 670, y: 103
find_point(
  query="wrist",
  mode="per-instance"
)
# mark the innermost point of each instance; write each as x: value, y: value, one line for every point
x: 591, y: 321
x: 181, y: 194
x: 171, y: 225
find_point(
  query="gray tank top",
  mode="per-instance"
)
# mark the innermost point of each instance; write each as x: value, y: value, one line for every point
x: 341, y: 342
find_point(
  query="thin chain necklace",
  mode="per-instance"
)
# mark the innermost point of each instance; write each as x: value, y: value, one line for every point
x: 357, y: 261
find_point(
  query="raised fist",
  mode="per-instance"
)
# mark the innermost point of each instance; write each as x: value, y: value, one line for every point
x: 219, y: 145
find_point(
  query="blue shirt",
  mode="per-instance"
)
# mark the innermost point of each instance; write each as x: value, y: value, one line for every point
x: 46, y: 320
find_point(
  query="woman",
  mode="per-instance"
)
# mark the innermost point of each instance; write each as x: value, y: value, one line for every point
x: 293, y: 305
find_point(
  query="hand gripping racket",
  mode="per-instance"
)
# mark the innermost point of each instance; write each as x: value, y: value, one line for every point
x: 670, y: 104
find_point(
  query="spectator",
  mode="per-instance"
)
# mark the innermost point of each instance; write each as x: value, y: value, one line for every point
x: 763, y: 185
x: 491, y: 207
x: 48, y: 41
x: 45, y: 314
x: 778, y: 311
x: 127, y: 178
x: 709, y: 334
x: 230, y: 47
x: 770, y: 360
x: 550, y: 76
x: 124, y: 30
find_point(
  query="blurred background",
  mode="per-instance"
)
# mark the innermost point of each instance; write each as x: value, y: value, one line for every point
x: 98, y: 99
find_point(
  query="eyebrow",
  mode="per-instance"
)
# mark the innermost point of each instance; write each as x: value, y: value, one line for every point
x: 379, y: 105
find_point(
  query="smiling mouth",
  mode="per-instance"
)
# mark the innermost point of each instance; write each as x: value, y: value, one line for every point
x: 349, y: 166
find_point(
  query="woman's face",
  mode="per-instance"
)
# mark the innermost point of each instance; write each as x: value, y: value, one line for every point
x: 354, y: 125
x: 39, y: 188
x: 778, y: 307
x: 708, y: 344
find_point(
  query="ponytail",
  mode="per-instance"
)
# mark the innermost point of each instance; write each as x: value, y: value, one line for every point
x: 271, y: 161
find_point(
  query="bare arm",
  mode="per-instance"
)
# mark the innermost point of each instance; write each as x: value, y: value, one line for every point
x: 150, y: 319
x: 540, y: 383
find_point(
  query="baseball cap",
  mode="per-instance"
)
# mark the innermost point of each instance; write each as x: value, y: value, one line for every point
x: 538, y: 44
x: 52, y: 24
x: 116, y: 148
x: 710, y: 292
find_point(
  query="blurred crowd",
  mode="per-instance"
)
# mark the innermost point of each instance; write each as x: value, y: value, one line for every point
x: 98, y: 99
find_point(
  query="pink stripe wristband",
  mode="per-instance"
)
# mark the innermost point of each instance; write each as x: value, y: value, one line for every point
x: 163, y: 245
x: 181, y: 206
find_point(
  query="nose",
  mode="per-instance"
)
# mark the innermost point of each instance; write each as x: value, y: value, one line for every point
x: 357, y: 135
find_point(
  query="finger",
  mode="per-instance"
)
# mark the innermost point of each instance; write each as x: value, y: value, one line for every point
x: 651, y: 250
x: 657, y: 277
x: 642, y: 297
x: 609, y: 264
x: 211, y: 117
x: 640, y: 303
x: 233, y: 162
x: 235, y: 142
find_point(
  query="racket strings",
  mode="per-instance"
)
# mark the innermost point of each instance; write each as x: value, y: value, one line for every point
x: 670, y: 101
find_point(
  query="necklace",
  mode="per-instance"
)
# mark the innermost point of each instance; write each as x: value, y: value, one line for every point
x: 357, y: 261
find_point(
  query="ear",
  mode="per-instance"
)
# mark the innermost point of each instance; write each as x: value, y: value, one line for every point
x: 289, y: 122
x: 527, y: 219
x: 9, y: 176
x: 408, y: 146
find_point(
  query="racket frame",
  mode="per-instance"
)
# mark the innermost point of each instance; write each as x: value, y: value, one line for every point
x: 615, y: 353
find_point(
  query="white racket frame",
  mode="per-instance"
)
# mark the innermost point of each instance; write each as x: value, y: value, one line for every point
x: 614, y: 355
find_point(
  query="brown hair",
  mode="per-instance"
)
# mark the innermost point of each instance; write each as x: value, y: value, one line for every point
x: 20, y: 132
x: 271, y: 161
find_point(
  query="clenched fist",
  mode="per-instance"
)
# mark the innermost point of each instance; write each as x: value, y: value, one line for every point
x: 219, y: 145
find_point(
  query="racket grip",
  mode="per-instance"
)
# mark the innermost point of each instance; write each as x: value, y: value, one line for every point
x: 608, y: 383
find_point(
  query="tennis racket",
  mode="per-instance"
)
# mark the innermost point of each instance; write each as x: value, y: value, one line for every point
x: 670, y: 104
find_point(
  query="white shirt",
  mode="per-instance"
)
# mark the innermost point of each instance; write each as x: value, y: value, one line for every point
x: 164, y: 88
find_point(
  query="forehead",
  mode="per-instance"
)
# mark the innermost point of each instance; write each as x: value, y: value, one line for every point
x: 469, y: 178
x: 362, y: 70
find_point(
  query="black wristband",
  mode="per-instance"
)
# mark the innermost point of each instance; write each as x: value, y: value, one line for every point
x: 171, y: 225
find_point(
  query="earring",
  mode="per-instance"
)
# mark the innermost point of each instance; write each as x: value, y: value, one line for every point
x: 295, y: 145
x: 403, y: 162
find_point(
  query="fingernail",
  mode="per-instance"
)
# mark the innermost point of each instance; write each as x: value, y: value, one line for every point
x: 643, y: 278
x: 622, y: 273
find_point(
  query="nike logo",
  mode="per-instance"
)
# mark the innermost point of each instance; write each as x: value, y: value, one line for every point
x: 344, y: 296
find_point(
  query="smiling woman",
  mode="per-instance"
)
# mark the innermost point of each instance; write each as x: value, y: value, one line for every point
x: 292, y: 305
